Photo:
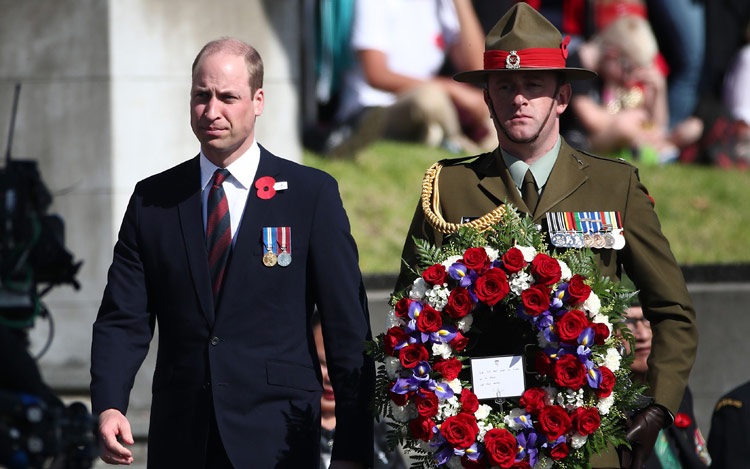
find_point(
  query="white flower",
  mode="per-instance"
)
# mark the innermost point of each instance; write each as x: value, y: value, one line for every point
x: 529, y: 252
x: 510, y: 419
x: 392, y: 366
x: 578, y: 440
x: 437, y: 296
x: 455, y: 385
x: 418, y: 289
x: 519, y: 282
x: 483, y: 411
x: 450, y: 261
x: 566, y: 274
x: 602, y: 319
x: 605, y: 403
x: 550, y: 392
x: 491, y: 253
x: 404, y: 413
x: 612, y: 359
x: 442, y: 350
x: 464, y: 324
x: 592, y: 305
x: 484, y: 427
x: 448, y: 408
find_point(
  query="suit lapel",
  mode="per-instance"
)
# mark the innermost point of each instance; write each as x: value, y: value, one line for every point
x: 567, y: 175
x: 191, y: 221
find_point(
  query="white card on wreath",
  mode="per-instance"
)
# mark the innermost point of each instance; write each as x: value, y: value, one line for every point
x: 498, y: 377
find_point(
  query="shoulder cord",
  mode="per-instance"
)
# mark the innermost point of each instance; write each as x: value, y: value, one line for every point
x: 431, y: 198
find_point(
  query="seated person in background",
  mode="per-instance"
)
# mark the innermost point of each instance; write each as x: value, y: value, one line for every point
x: 627, y: 108
x: 681, y: 444
x: 394, y: 91
x: 383, y: 458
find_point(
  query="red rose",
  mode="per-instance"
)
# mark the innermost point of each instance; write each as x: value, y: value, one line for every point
x: 501, y: 447
x: 559, y: 451
x: 412, y: 354
x: 585, y: 420
x: 429, y: 320
x: 492, y: 286
x: 601, y: 332
x: 469, y: 402
x: 570, y: 372
x: 476, y: 259
x: 543, y: 363
x: 427, y: 403
x: 682, y: 420
x: 435, y: 274
x: 460, y: 430
x: 534, y: 400
x: 448, y: 368
x: 459, y: 342
x: 421, y: 428
x: 570, y: 325
x: 513, y: 260
x: 545, y: 269
x: 399, y: 399
x: 393, y: 337
x: 402, y: 307
x: 459, y: 303
x: 535, y: 299
x: 553, y: 421
x: 578, y: 290
x: 608, y: 382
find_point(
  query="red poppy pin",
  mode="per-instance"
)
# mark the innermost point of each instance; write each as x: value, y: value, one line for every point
x: 265, y: 186
x: 682, y: 420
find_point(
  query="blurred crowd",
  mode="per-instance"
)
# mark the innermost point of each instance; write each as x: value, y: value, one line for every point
x: 673, y: 76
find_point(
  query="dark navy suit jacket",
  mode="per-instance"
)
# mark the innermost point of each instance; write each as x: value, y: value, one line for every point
x: 252, y: 356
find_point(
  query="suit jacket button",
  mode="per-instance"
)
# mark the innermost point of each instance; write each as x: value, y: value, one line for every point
x: 215, y: 341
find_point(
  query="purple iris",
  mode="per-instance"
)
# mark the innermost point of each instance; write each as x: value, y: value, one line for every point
x: 445, y: 334
x: 404, y: 385
x: 458, y: 271
x: 544, y: 321
x: 441, y: 390
x: 586, y: 338
x: 414, y: 309
x: 593, y: 375
x: 443, y: 455
x: 527, y: 445
x: 525, y: 421
x: 475, y: 452
x: 422, y: 371
x: 562, y: 292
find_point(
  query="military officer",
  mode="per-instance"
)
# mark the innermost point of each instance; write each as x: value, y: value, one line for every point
x: 526, y: 88
x: 729, y: 439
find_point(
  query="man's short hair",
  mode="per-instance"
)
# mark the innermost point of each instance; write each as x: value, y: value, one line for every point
x: 234, y: 46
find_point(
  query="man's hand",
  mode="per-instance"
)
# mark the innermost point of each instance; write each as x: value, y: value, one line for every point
x: 111, y: 425
x: 643, y: 430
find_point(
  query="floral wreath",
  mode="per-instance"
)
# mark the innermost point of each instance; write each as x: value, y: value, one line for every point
x: 585, y: 390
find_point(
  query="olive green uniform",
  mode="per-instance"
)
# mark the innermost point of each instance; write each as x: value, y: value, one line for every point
x: 582, y: 182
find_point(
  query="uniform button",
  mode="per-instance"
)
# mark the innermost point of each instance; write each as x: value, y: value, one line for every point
x: 215, y: 341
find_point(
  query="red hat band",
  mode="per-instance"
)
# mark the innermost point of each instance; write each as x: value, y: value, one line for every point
x: 538, y: 57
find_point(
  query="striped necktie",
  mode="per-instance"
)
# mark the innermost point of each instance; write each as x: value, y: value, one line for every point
x: 218, y: 230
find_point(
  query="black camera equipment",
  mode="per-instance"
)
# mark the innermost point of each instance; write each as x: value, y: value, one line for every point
x: 34, y: 430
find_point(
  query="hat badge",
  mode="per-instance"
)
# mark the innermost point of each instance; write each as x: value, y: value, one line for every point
x: 513, y: 61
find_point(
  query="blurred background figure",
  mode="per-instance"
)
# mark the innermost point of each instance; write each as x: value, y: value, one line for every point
x: 383, y: 458
x: 394, y: 88
x: 681, y: 445
x: 625, y: 112
x: 729, y: 439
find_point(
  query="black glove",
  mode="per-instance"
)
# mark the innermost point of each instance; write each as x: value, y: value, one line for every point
x: 643, y: 429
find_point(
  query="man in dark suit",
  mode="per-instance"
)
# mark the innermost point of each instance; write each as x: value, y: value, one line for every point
x: 229, y: 252
x: 526, y: 90
x: 729, y: 439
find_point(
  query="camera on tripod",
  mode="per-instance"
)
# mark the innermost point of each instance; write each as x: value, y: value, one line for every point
x: 36, y: 429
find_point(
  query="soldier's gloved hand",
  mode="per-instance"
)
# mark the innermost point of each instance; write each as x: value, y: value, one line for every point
x: 643, y: 429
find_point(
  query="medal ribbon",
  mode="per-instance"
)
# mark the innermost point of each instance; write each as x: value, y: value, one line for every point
x: 269, y: 239
x: 284, y: 236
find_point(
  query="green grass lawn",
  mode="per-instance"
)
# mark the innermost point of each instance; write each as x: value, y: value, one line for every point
x: 702, y: 209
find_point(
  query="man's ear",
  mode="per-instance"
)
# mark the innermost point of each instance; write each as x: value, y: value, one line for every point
x: 564, y: 94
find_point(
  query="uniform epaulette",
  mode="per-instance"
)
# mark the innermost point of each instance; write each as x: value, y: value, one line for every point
x: 728, y: 402
x: 607, y: 158
x: 459, y: 160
